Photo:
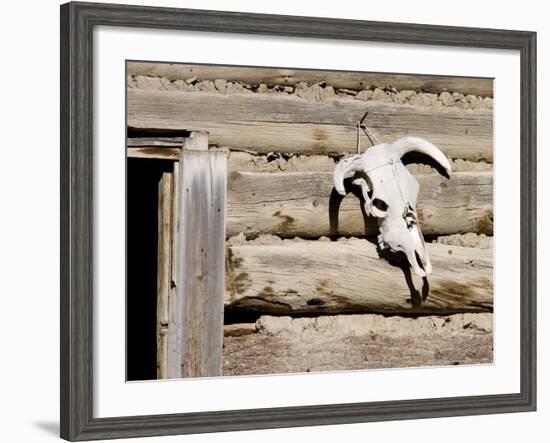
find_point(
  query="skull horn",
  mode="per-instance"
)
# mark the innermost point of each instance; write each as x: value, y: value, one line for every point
x: 416, y: 144
x: 346, y: 168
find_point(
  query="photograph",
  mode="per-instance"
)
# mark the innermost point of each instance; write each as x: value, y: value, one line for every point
x: 284, y: 221
x: 255, y: 222
x: 276, y: 219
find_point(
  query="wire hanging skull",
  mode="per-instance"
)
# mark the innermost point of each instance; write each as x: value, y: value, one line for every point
x: 391, y: 192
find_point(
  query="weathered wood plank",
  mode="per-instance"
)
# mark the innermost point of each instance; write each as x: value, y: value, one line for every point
x: 303, y: 204
x: 266, y: 123
x: 164, y: 267
x: 196, y: 141
x: 348, y: 276
x: 161, y: 153
x: 173, y: 337
x: 196, y: 315
x: 165, y: 148
x: 155, y: 142
x: 173, y: 355
x: 337, y: 79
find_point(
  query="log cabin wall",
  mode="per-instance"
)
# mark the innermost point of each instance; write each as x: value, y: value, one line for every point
x: 285, y: 130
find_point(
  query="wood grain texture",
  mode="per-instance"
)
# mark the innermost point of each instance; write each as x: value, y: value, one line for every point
x: 164, y: 267
x: 160, y: 153
x: 196, y: 315
x: 197, y: 141
x: 153, y: 141
x: 173, y: 338
x: 303, y: 204
x: 266, y: 123
x: 338, y: 79
x: 315, y: 277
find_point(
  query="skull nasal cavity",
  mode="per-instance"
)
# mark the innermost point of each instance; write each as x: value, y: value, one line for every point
x: 380, y: 204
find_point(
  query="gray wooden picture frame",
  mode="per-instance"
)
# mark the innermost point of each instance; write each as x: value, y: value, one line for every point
x: 77, y: 217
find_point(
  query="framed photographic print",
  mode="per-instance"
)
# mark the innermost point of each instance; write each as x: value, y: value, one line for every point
x: 338, y: 214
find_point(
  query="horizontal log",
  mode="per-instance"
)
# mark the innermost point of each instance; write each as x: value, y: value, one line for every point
x: 316, y: 277
x: 299, y: 204
x: 272, y: 123
x: 338, y: 79
x: 303, y: 204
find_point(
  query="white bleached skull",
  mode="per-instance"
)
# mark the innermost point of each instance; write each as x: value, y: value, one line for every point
x: 390, y: 192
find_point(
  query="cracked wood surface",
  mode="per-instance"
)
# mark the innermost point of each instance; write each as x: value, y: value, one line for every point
x: 269, y: 123
x: 303, y: 204
x: 195, y: 326
x: 164, y: 267
x: 318, y: 277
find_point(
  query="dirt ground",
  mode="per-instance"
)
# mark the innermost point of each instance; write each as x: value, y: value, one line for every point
x: 284, y: 345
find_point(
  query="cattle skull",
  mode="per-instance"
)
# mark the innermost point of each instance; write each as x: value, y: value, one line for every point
x: 390, y: 192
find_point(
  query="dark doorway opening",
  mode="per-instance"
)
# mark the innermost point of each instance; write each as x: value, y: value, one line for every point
x: 142, y: 178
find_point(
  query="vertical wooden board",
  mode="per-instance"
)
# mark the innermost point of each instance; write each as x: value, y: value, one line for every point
x: 198, y: 305
x: 197, y: 140
x: 162, y: 353
x: 173, y: 342
x: 164, y: 271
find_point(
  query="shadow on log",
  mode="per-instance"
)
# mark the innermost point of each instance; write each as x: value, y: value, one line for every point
x: 324, y: 277
x: 303, y: 204
x: 336, y: 199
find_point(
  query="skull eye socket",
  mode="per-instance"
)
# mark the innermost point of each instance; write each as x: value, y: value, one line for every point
x: 381, y: 205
